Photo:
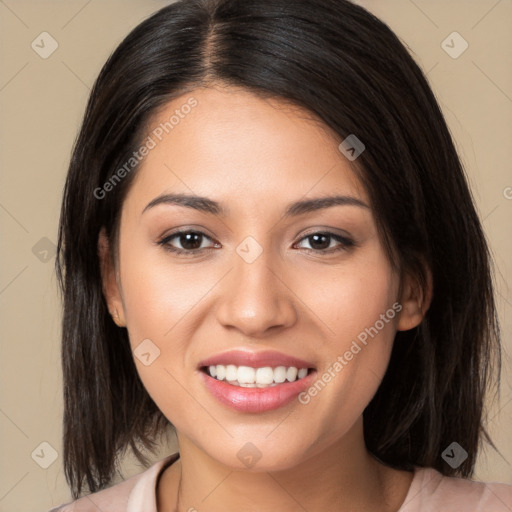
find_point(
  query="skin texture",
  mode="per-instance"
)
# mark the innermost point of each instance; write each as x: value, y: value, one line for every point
x: 255, y: 156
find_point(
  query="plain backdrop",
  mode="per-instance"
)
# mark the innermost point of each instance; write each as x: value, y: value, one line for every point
x: 42, y: 101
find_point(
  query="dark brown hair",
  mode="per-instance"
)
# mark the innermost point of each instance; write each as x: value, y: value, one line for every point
x: 351, y: 71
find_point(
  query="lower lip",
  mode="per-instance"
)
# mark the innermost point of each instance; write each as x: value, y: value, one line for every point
x: 256, y: 400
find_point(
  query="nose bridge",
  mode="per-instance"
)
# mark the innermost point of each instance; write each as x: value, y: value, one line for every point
x: 255, y: 298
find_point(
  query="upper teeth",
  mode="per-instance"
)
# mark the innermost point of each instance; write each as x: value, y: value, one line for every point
x: 256, y: 377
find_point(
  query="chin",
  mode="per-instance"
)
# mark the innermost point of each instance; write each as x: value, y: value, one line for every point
x: 258, y: 457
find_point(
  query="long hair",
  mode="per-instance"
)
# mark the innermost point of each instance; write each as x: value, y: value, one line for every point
x: 350, y: 70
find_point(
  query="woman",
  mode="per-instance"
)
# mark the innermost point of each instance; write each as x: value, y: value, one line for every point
x: 267, y: 243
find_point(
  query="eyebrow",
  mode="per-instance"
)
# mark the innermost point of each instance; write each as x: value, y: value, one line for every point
x: 206, y: 205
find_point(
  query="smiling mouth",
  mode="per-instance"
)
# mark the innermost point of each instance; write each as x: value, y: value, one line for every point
x: 249, y: 377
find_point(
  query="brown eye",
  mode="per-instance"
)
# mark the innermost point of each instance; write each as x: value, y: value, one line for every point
x: 189, y: 240
x: 321, y: 242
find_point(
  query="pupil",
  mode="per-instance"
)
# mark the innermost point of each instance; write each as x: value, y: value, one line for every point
x: 315, y: 238
x: 189, y: 242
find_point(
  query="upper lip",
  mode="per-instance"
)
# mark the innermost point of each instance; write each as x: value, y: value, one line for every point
x: 255, y: 359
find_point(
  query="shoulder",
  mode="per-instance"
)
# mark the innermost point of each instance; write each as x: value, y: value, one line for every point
x: 127, y: 495
x: 432, y: 491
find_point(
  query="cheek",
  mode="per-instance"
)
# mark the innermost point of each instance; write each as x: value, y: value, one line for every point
x: 359, y: 307
x: 158, y: 296
x: 351, y: 297
x: 164, y: 307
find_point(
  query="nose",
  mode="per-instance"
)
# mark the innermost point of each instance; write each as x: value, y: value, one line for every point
x: 255, y: 297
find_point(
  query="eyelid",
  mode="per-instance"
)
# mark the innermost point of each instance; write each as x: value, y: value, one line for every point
x: 331, y: 231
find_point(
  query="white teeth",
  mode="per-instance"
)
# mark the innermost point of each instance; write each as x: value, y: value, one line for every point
x: 291, y: 373
x: 246, y: 376
x: 220, y: 370
x: 231, y: 372
x: 280, y: 374
x: 265, y: 375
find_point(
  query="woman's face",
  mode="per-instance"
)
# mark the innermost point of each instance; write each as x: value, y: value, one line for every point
x: 255, y: 278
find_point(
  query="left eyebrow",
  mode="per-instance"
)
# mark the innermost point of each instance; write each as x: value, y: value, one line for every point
x: 206, y: 205
x: 319, y: 203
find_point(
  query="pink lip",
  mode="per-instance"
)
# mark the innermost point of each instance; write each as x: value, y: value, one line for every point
x: 256, y: 400
x: 255, y: 359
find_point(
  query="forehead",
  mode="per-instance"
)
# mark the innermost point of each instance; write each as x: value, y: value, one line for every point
x: 235, y: 146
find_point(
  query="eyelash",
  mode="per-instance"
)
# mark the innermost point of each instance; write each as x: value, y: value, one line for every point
x: 346, y: 243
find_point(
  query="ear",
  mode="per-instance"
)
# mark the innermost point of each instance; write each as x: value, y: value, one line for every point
x: 109, y: 279
x: 415, y: 301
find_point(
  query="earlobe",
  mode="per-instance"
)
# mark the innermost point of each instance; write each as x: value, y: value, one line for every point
x: 109, y: 282
x: 415, y: 301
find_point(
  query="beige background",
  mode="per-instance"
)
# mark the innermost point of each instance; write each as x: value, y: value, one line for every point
x: 42, y: 101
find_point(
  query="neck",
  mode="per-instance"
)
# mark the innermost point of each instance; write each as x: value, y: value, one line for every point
x: 342, y: 477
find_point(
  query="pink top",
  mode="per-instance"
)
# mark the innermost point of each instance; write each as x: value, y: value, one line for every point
x: 430, y: 491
